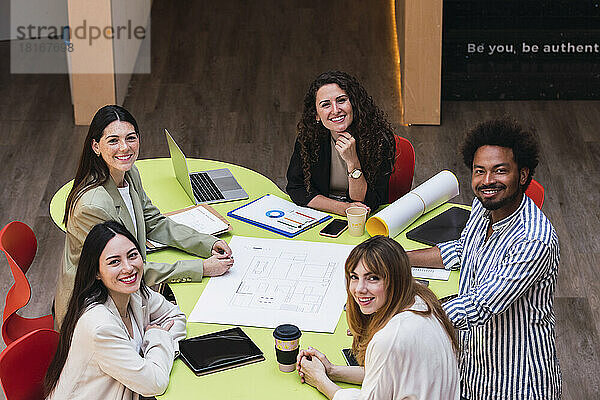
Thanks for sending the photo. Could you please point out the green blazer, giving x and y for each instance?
(105, 203)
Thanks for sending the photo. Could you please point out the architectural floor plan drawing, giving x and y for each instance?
(278, 281)
(287, 282)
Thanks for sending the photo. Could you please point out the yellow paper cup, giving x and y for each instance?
(357, 216)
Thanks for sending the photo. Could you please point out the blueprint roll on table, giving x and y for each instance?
(400, 214)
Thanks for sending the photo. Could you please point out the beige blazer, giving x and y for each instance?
(105, 203)
(102, 362)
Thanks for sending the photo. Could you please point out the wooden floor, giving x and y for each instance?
(228, 79)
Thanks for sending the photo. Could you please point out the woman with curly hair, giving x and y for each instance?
(344, 153)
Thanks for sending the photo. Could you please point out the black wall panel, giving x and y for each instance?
(489, 49)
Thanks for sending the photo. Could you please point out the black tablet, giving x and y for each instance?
(218, 351)
(442, 228)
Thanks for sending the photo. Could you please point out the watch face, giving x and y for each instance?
(356, 173)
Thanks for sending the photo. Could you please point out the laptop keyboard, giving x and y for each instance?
(204, 188)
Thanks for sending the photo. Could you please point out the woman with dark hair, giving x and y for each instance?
(118, 338)
(345, 149)
(107, 186)
(402, 338)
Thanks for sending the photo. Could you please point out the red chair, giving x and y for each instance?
(535, 192)
(23, 364)
(18, 242)
(404, 169)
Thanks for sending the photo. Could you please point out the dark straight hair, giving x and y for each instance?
(92, 170)
(87, 291)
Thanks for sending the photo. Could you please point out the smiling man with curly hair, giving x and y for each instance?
(508, 257)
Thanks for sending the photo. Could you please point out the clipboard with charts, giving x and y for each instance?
(278, 215)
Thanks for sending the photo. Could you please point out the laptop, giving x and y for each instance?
(204, 187)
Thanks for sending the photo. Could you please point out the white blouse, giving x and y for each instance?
(410, 358)
(102, 362)
(137, 339)
(124, 191)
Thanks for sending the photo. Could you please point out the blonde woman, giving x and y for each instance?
(403, 341)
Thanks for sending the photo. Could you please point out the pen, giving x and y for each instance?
(221, 252)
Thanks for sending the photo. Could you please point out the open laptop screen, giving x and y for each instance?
(180, 166)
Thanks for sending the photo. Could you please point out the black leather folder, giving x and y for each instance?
(442, 228)
(218, 351)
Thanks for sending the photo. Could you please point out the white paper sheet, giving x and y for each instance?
(400, 214)
(200, 219)
(431, 273)
(278, 281)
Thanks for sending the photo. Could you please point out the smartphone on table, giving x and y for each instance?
(334, 228)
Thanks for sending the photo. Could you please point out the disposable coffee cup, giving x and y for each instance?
(287, 341)
(357, 216)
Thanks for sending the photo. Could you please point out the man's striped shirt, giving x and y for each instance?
(504, 311)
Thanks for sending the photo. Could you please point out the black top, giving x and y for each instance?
(376, 195)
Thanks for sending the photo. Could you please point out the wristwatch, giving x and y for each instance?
(355, 174)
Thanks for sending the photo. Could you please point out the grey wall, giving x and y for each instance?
(35, 12)
(4, 19)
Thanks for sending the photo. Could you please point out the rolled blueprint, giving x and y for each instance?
(400, 214)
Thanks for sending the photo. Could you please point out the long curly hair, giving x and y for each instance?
(387, 259)
(372, 132)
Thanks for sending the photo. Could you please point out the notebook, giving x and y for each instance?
(219, 351)
(442, 228)
(201, 217)
(214, 186)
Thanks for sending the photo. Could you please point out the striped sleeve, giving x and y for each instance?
(451, 254)
(502, 285)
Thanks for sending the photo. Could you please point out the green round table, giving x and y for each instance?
(260, 380)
